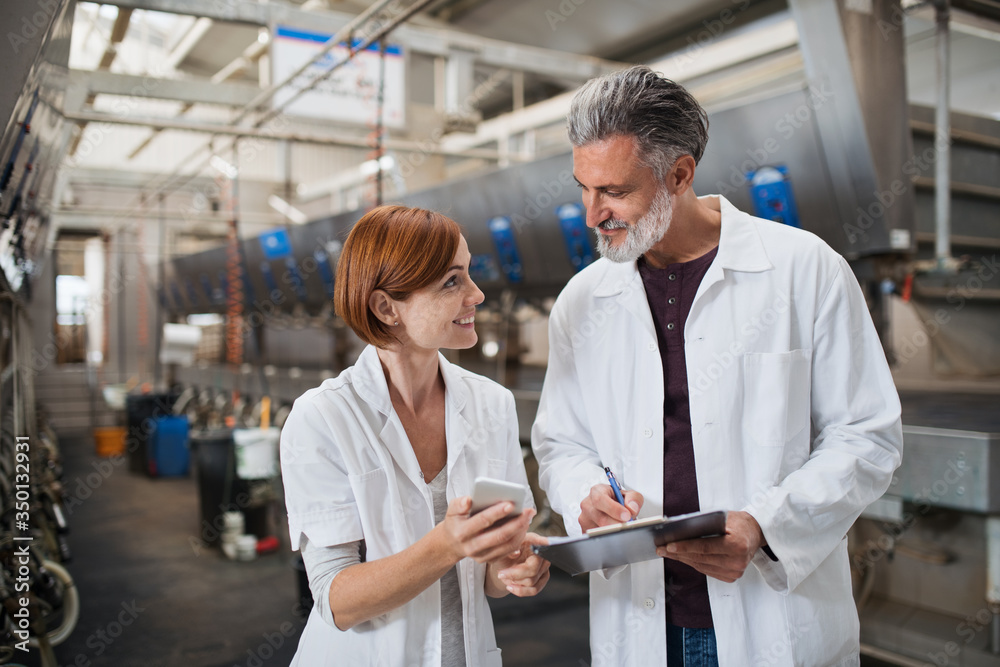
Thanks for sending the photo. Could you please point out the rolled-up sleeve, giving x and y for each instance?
(323, 564)
(318, 493)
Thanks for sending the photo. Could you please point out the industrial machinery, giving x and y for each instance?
(810, 136)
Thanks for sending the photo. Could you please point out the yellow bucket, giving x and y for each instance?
(110, 440)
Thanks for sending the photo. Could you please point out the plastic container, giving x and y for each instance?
(140, 410)
(220, 489)
(168, 454)
(256, 452)
(232, 523)
(109, 441)
(246, 547)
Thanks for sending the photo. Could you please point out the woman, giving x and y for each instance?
(371, 459)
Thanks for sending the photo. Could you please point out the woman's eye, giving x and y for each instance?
(451, 282)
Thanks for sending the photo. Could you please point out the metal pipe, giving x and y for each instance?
(890, 657)
(161, 282)
(995, 634)
(256, 133)
(993, 578)
(942, 138)
(345, 33)
(122, 377)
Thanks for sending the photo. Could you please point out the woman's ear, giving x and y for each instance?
(384, 308)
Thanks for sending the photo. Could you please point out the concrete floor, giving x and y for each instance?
(137, 559)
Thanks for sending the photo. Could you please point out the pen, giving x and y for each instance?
(614, 486)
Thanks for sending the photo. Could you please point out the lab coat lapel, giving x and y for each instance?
(371, 385)
(740, 247)
(458, 430)
(623, 284)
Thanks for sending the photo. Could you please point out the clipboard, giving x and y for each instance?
(624, 543)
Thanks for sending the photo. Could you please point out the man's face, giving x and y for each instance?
(627, 207)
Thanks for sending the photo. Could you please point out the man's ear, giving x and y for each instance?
(681, 175)
(384, 307)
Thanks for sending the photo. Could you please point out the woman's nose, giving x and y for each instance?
(476, 295)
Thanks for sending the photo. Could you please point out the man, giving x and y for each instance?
(712, 360)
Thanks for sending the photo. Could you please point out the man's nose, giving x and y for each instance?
(596, 212)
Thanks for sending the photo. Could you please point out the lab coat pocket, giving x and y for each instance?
(775, 395)
(493, 659)
(376, 506)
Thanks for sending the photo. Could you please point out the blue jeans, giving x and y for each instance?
(691, 647)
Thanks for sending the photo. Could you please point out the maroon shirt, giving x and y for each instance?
(670, 292)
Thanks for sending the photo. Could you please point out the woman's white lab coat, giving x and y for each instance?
(350, 473)
(794, 419)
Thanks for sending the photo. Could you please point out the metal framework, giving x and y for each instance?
(191, 91)
(421, 39)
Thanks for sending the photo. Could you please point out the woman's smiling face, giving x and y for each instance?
(442, 315)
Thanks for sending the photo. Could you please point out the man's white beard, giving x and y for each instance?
(641, 236)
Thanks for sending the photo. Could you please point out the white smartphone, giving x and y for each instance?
(487, 492)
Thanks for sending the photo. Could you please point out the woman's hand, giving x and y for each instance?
(523, 572)
(484, 537)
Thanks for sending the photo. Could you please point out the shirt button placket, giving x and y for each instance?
(672, 312)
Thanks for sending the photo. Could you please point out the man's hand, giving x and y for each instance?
(600, 508)
(725, 557)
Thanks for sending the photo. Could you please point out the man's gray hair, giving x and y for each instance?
(664, 118)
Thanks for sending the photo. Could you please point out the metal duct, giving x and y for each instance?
(854, 50)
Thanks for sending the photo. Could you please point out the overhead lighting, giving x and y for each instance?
(287, 210)
(371, 166)
(223, 167)
(348, 178)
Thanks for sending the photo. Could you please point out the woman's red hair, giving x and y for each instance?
(395, 249)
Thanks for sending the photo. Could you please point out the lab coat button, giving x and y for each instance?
(647, 432)
(648, 602)
(652, 347)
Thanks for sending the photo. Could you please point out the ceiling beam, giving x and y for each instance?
(263, 133)
(118, 31)
(194, 91)
(432, 41)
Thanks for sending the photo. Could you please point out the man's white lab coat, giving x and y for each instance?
(794, 419)
(350, 473)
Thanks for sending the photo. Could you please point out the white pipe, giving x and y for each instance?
(891, 656)
(993, 578)
(942, 139)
